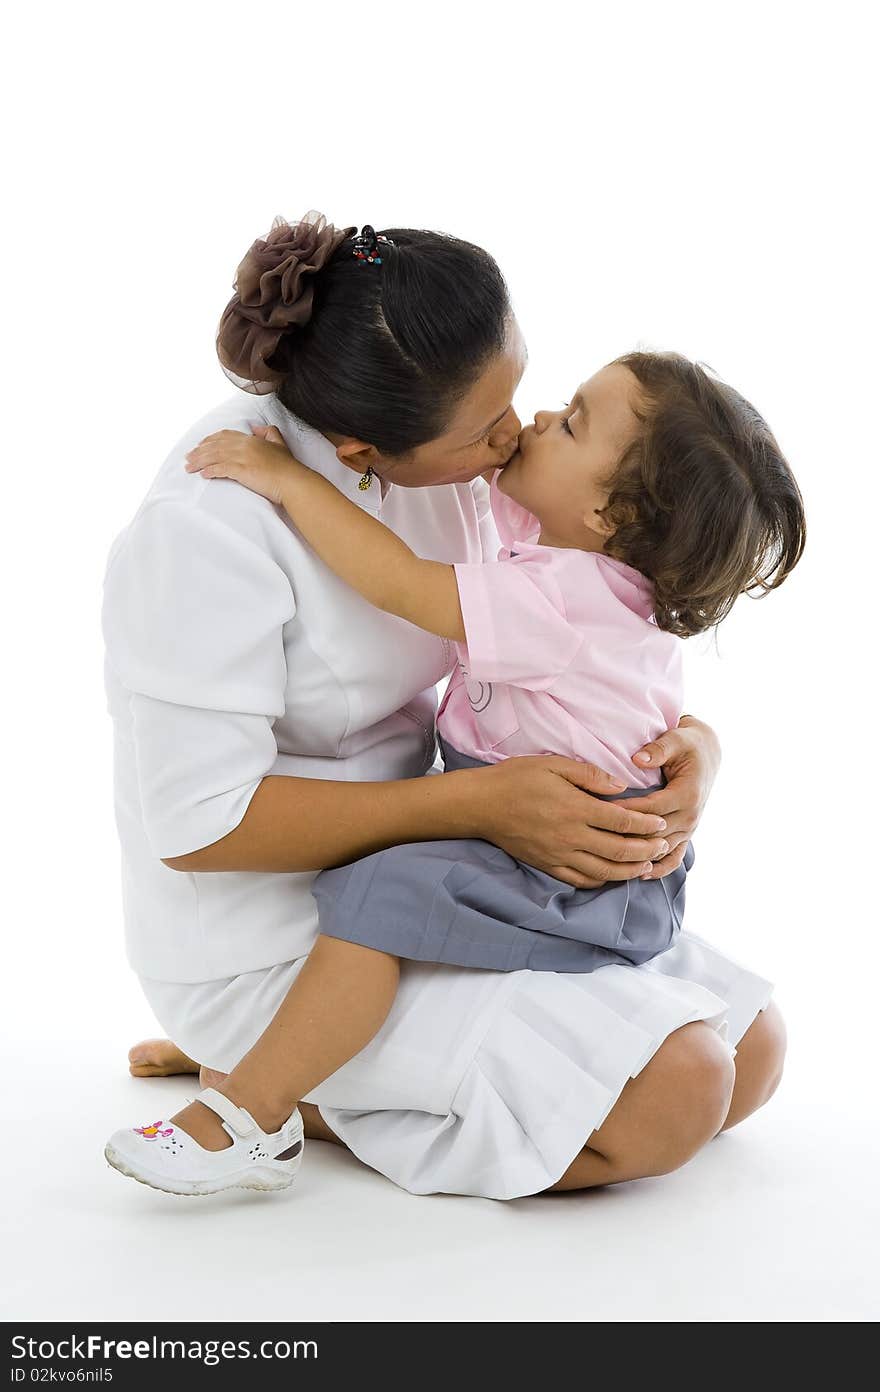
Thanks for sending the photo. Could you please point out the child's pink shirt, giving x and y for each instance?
(562, 656)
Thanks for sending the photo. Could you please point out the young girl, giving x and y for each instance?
(629, 520)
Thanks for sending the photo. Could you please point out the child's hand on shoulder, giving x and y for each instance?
(262, 461)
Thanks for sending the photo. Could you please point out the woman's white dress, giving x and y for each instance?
(233, 653)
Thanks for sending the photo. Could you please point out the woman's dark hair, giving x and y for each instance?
(391, 349)
(703, 502)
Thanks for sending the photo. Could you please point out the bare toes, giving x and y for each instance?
(159, 1058)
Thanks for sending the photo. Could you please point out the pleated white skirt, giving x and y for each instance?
(479, 1082)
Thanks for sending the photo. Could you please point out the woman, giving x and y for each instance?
(270, 723)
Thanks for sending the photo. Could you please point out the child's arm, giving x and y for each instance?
(358, 547)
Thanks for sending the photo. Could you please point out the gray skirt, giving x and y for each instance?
(470, 904)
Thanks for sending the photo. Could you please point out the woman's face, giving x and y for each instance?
(482, 434)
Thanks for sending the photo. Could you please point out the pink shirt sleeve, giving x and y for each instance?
(515, 625)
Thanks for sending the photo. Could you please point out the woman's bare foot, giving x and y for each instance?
(159, 1058)
(210, 1077)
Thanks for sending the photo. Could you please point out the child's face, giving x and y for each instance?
(563, 467)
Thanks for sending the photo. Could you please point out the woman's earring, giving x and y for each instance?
(366, 480)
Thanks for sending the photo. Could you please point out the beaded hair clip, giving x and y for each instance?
(368, 244)
(366, 249)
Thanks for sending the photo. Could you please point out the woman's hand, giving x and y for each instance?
(690, 758)
(262, 461)
(539, 810)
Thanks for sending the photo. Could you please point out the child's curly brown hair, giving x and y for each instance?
(703, 503)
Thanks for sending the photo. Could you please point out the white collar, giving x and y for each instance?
(315, 450)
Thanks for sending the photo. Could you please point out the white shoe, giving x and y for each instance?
(165, 1157)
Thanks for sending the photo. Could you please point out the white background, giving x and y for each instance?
(692, 176)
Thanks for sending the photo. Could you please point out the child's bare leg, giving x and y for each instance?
(314, 1125)
(340, 999)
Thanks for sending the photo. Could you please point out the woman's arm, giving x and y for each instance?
(538, 809)
(690, 757)
(300, 824)
(357, 546)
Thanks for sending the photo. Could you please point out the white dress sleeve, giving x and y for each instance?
(490, 542)
(193, 621)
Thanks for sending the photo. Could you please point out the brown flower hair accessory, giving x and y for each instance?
(275, 288)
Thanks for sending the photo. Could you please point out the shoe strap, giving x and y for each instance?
(241, 1123)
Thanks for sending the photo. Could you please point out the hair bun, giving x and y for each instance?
(274, 292)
